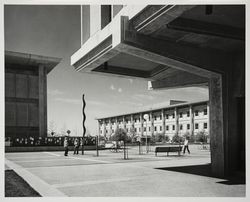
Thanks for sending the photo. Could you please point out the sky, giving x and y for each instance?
(55, 31)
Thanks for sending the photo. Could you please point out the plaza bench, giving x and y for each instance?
(168, 149)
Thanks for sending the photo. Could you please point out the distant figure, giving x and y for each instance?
(186, 145)
(81, 143)
(76, 146)
(66, 146)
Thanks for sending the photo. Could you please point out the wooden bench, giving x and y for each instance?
(168, 149)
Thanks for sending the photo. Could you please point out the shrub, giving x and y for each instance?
(201, 136)
(177, 138)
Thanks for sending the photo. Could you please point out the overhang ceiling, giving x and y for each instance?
(209, 29)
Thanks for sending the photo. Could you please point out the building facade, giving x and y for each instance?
(26, 93)
(173, 119)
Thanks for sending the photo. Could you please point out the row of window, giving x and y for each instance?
(196, 113)
(196, 126)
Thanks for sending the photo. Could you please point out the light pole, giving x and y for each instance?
(145, 116)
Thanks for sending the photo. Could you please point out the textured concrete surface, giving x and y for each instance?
(141, 175)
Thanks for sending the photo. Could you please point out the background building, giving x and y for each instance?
(174, 118)
(26, 93)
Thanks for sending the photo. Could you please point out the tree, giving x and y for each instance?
(201, 136)
(121, 135)
(177, 138)
(189, 136)
(52, 128)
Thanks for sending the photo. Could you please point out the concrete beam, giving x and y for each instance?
(202, 62)
(178, 80)
(199, 27)
(155, 16)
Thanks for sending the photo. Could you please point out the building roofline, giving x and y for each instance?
(156, 109)
(12, 57)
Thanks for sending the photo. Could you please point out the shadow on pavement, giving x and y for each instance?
(205, 170)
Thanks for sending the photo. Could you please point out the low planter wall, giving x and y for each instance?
(46, 148)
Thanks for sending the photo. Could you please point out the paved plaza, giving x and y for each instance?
(109, 175)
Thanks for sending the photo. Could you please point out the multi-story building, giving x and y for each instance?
(175, 117)
(26, 93)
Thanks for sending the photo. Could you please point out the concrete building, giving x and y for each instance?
(26, 93)
(169, 120)
(175, 46)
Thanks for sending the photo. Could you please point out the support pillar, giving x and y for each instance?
(110, 128)
(176, 121)
(191, 120)
(163, 122)
(152, 123)
(217, 130)
(142, 124)
(42, 101)
(104, 129)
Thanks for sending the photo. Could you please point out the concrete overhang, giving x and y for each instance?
(26, 59)
(154, 43)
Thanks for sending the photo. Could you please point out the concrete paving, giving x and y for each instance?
(109, 175)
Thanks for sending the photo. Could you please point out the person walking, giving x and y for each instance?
(66, 146)
(81, 143)
(76, 146)
(186, 145)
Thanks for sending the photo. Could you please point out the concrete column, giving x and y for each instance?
(85, 23)
(216, 122)
(99, 128)
(152, 123)
(42, 100)
(123, 122)
(116, 123)
(163, 122)
(95, 19)
(110, 128)
(176, 121)
(208, 124)
(142, 124)
(104, 128)
(191, 120)
(132, 122)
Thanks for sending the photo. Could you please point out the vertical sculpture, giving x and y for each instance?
(83, 122)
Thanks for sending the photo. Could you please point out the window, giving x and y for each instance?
(149, 118)
(173, 116)
(160, 117)
(196, 113)
(166, 116)
(105, 15)
(144, 129)
(181, 115)
(167, 128)
(173, 127)
(196, 126)
(188, 126)
(135, 129)
(139, 129)
(155, 118)
(160, 128)
(155, 128)
(205, 111)
(181, 127)
(205, 125)
(149, 129)
(188, 113)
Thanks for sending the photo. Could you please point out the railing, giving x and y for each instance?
(45, 141)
